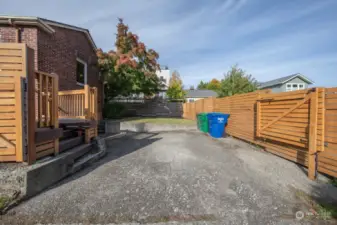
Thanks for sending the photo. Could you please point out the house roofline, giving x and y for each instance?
(299, 75)
(283, 82)
(44, 24)
(31, 21)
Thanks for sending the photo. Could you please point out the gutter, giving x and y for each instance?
(12, 22)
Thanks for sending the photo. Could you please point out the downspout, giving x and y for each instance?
(18, 36)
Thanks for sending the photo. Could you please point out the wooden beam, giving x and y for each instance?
(31, 123)
(40, 80)
(7, 158)
(18, 119)
(86, 101)
(55, 110)
(72, 92)
(323, 120)
(258, 117)
(313, 135)
(46, 134)
(17, 35)
(46, 116)
(87, 135)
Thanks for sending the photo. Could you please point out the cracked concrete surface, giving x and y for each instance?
(174, 178)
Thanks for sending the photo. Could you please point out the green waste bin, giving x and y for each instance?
(202, 122)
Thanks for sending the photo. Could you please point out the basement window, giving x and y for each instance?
(81, 72)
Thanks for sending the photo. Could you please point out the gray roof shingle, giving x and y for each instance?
(200, 93)
(283, 80)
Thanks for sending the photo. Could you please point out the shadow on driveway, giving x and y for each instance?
(116, 148)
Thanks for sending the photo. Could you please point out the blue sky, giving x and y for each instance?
(203, 38)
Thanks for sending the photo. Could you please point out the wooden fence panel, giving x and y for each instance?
(327, 160)
(291, 112)
(222, 105)
(185, 111)
(209, 105)
(12, 74)
(13, 59)
(199, 106)
(11, 118)
(293, 118)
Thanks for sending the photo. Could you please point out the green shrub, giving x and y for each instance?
(113, 110)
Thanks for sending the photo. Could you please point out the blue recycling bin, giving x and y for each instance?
(217, 123)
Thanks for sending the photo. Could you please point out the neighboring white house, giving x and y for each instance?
(164, 75)
(293, 82)
(194, 95)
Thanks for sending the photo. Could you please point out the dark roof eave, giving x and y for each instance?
(44, 24)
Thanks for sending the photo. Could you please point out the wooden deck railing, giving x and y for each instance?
(80, 104)
(46, 99)
(30, 107)
(71, 104)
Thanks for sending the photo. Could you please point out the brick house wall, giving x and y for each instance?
(28, 36)
(57, 53)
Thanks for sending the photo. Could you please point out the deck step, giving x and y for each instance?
(71, 143)
(80, 151)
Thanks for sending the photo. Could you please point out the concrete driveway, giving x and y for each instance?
(175, 178)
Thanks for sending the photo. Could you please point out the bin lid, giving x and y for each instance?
(217, 114)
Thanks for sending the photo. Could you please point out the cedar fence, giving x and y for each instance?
(300, 126)
(30, 103)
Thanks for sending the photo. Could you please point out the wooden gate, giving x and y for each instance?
(11, 118)
(293, 118)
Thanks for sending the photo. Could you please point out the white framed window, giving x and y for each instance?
(81, 72)
(294, 86)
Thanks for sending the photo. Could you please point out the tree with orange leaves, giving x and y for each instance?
(131, 67)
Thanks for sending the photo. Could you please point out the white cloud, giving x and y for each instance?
(202, 39)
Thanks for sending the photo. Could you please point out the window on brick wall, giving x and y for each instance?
(81, 72)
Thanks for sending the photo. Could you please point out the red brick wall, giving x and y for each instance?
(28, 36)
(57, 53)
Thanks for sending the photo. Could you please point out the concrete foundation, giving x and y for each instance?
(151, 127)
(22, 182)
(112, 127)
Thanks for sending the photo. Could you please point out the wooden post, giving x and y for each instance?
(19, 118)
(86, 101)
(40, 80)
(96, 132)
(323, 120)
(31, 123)
(258, 116)
(87, 135)
(313, 135)
(46, 94)
(96, 105)
(54, 106)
